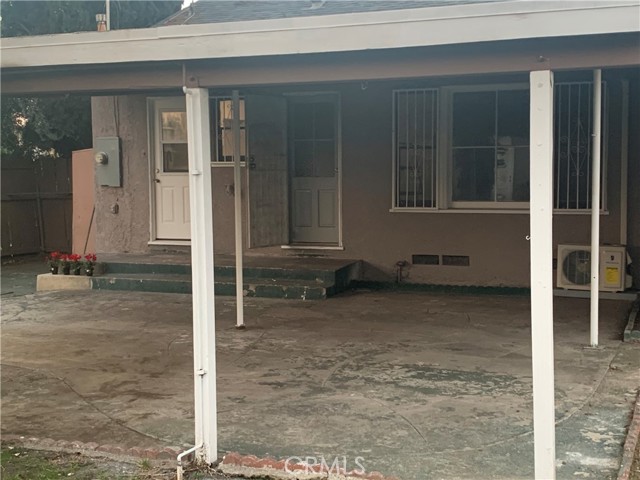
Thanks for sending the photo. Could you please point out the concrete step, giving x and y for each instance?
(229, 271)
(181, 283)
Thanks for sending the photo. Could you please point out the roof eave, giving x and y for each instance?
(511, 20)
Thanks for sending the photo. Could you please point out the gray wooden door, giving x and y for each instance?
(268, 193)
(313, 140)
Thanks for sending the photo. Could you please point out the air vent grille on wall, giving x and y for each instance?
(450, 260)
(425, 259)
(574, 268)
(456, 260)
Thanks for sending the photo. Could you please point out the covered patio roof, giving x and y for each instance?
(509, 36)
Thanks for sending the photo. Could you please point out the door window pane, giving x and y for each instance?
(303, 121)
(174, 127)
(324, 121)
(174, 157)
(303, 158)
(324, 159)
(312, 143)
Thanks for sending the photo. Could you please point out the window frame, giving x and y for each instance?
(604, 160)
(444, 158)
(435, 159)
(447, 151)
(215, 154)
(162, 105)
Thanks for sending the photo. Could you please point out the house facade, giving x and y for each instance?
(415, 155)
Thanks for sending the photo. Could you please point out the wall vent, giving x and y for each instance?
(423, 259)
(455, 260)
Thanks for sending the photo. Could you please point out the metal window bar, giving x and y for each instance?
(424, 150)
(578, 160)
(590, 117)
(573, 145)
(406, 122)
(415, 152)
(414, 167)
(219, 129)
(558, 103)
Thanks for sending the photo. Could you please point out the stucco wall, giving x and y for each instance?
(633, 237)
(496, 243)
(128, 229)
(223, 209)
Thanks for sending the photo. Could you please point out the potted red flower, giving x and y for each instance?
(90, 263)
(54, 262)
(65, 263)
(76, 264)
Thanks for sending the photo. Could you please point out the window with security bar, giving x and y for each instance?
(224, 144)
(415, 148)
(573, 129)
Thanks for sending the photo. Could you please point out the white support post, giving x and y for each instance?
(237, 197)
(541, 228)
(108, 14)
(595, 204)
(204, 317)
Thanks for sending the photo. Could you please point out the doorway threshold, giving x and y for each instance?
(302, 246)
(177, 243)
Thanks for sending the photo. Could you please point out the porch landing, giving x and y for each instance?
(306, 278)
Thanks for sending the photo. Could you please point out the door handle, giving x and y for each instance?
(252, 162)
(157, 180)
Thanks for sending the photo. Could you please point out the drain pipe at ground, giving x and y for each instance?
(179, 470)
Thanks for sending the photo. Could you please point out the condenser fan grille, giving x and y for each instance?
(576, 267)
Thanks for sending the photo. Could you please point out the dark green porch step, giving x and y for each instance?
(180, 283)
(341, 275)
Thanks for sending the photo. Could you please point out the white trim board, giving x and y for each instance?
(420, 27)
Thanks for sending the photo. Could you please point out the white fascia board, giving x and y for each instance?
(484, 22)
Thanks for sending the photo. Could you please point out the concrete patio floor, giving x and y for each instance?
(419, 385)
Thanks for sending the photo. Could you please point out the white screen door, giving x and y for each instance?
(268, 205)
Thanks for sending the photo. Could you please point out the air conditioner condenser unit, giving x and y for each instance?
(574, 268)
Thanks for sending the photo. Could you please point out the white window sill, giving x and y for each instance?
(226, 164)
(524, 211)
(312, 247)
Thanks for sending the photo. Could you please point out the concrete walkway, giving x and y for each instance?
(420, 386)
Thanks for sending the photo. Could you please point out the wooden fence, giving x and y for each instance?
(35, 206)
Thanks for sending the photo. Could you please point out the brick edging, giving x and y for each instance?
(630, 443)
(234, 463)
(165, 453)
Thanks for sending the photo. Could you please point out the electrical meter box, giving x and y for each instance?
(106, 152)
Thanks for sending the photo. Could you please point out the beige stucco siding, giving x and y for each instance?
(128, 229)
(633, 183)
(495, 242)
